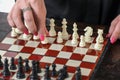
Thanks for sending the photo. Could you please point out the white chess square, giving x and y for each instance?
(51, 39)
(9, 41)
(40, 51)
(57, 47)
(23, 55)
(68, 43)
(32, 44)
(80, 50)
(63, 54)
(47, 59)
(92, 46)
(17, 48)
(73, 63)
(85, 71)
(21, 37)
(2, 52)
(90, 58)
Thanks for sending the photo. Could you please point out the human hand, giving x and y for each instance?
(34, 15)
(114, 31)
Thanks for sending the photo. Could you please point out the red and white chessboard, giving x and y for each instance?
(60, 54)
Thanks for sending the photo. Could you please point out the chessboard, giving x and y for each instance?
(76, 59)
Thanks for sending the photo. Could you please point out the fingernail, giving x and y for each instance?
(113, 40)
(36, 33)
(26, 31)
(108, 35)
(41, 37)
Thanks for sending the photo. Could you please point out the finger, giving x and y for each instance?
(10, 20)
(113, 25)
(116, 33)
(17, 18)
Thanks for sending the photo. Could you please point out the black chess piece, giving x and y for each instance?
(20, 72)
(54, 72)
(34, 75)
(78, 74)
(47, 73)
(13, 66)
(38, 67)
(27, 67)
(1, 63)
(6, 71)
(63, 73)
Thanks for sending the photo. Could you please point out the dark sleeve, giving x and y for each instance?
(119, 9)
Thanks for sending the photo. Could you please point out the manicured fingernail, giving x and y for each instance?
(113, 40)
(108, 35)
(41, 37)
(26, 31)
(36, 33)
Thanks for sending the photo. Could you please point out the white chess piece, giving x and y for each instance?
(75, 29)
(100, 35)
(52, 31)
(74, 39)
(97, 45)
(25, 36)
(35, 37)
(59, 38)
(18, 31)
(82, 41)
(88, 33)
(27, 26)
(64, 31)
(13, 33)
(45, 41)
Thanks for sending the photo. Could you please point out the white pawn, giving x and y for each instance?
(18, 31)
(52, 31)
(75, 29)
(64, 31)
(82, 41)
(13, 33)
(97, 45)
(74, 39)
(100, 35)
(59, 38)
(25, 36)
(45, 41)
(35, 37)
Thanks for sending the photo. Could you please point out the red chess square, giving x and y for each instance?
(60, 61)
(68, 48)
(27, 49)
(43, 65)
(20, 42)
(46, 46)
(71, 69)
(77, 56)
(52, 53)
(4, 46)
(35, 57)
(88, 65)
(93, 52)
(10, 54)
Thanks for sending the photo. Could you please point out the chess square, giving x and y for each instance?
(63, 54)
(85, 71)
(57, 47)
(27, 50)
(17, 48)
(68, 43)
(51, 39)
(2, 52)
(80, 50)
(73, 63)
(10, 54)
(90, 58)
(40, 51)
(92, 46)
(9, 40)
(23, 55)
(35, 57)
(32, 44)
(47, 59)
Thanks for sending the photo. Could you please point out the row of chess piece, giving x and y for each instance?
(61, 74)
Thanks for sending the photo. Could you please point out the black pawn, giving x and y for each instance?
(1, 63)
(13, 66)
(47, 73)
(6, 71)
(54, 72)
(38, 67)
(65, 71)
(78, 74)
(27, 67)
(20, 72)
(34, 75)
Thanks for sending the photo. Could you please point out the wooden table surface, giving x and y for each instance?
(109, 68)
